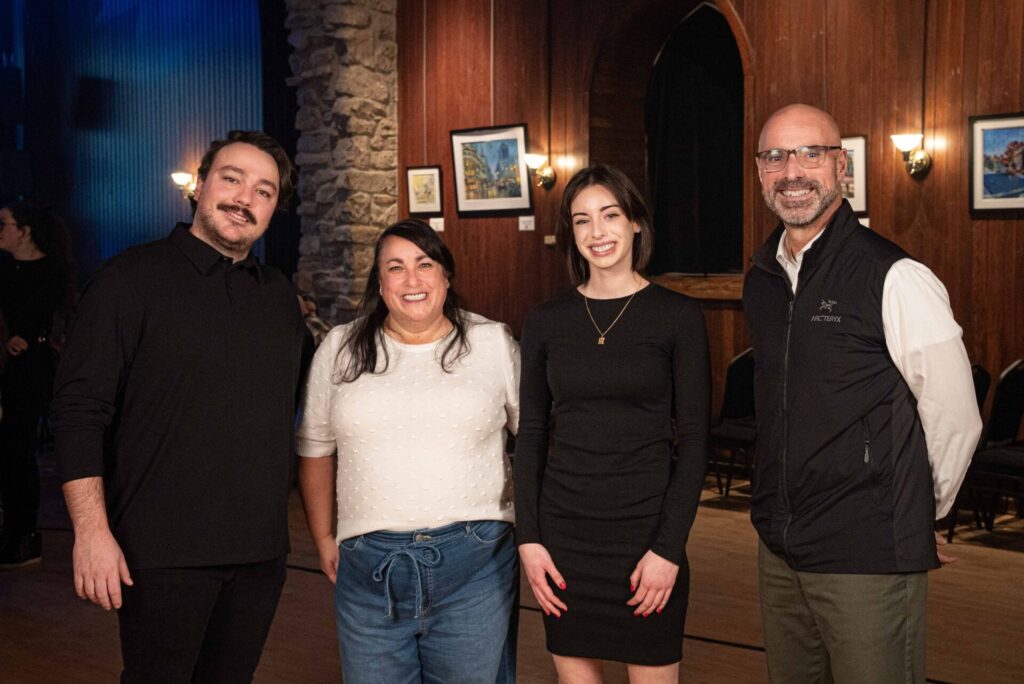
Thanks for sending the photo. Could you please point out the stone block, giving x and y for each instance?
(359, 126)
(367, 181)
(346, 15)
(387, 127)
(312, 158)
(386, 56)
(309, 119)
(364, 235)
(325, 193)
(380, 142)
(359, 107)
(314, 142)
(387, 160)
(309, 244)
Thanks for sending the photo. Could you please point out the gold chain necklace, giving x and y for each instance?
(601, 333)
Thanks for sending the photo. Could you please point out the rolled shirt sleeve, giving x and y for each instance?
(925, 344)
(93, 366)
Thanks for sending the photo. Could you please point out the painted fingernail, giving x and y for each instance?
(632, 587)
(561, 585)
(659, 611)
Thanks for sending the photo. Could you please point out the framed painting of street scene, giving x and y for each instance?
(490, 170)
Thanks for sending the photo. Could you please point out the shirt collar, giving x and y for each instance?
(205, 258)
(782, 252)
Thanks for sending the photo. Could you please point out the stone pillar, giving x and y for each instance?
(344, 68)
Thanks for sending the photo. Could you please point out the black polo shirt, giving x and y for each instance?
(177, 386)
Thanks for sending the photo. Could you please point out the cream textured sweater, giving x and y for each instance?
(417, 447)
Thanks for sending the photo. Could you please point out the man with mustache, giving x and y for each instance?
(173, 417)
(866, 422)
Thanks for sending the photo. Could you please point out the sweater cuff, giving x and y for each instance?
(311, 448)
(79, 454)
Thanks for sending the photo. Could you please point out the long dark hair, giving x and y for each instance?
(367, 334)
(626, 196)
(48, 232)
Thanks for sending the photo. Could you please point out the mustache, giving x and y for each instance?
(242, 210)
(796, 184)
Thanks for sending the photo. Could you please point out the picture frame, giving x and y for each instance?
(996, 144)
(855, 182)
(425, 192)
(491, 176)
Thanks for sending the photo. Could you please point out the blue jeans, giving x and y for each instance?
(434, 606)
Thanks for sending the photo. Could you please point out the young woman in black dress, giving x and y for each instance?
(34, 285)
(606, 492)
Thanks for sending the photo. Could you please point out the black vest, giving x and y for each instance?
(843, 480)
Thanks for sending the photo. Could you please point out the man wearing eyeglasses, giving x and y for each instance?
(866, 422)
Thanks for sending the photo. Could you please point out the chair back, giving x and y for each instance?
(1007, 406)
(738, 397)
(982, 381)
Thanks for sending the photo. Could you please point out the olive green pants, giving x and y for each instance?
(846, 629)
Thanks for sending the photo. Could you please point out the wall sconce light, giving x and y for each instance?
(543, 173)
(186, 182)
(915, 158)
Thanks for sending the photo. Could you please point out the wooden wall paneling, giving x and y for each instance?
(412, 132)
(871, 63)
(999, 241)
(949, 99)
(790, 42)
(458, 73)
(520, 96)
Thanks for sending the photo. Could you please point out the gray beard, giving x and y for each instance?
(799, 218)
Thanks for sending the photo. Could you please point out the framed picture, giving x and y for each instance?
(997, 163)
(424, 186)
(855, 182)
(490, 170)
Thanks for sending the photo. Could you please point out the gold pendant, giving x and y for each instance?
(600, 340)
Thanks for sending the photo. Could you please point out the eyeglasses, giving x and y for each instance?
(808, 156)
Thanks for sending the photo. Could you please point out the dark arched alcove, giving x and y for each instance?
(694, 124)
(633, 42)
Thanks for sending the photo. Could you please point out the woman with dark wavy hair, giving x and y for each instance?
(34, 285)
(605, 498)
(406, 414)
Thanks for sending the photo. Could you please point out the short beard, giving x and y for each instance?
(207, 224)
(797, 218)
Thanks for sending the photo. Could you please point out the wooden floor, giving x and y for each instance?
(975, 611)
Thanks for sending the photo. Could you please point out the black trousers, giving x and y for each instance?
(26, 386)
(199, 625)
(19, 474)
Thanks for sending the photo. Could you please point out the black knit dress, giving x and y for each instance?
(612, 485)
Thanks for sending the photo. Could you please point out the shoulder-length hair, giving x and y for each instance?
(366, 338)
(626, 196)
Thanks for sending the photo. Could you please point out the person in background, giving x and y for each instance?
(35, 284)
(866, 422)
(621, 365)
(173, 417)
(406, 415)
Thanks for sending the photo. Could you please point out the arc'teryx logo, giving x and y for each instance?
(826, 306)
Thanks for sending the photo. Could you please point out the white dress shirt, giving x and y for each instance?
(924, 342)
